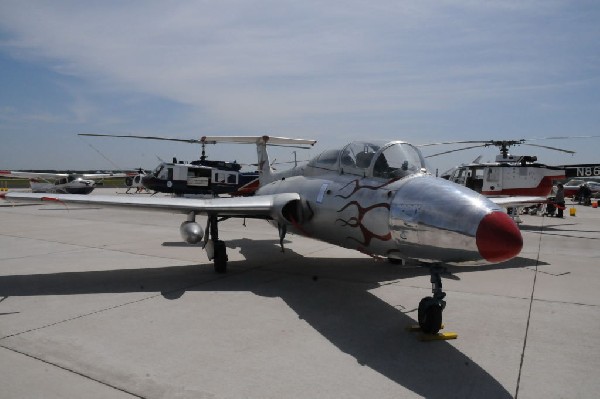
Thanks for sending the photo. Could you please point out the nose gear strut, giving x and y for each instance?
(431, 307)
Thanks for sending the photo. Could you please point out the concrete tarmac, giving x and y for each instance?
(109, 303)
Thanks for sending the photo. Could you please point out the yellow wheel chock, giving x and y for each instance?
(440, 336)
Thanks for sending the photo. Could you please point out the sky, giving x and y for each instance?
(336, 71)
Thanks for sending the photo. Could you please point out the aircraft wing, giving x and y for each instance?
(34, 175)
(31, 175)
(93, 176)
(508, 202)
(259, 206)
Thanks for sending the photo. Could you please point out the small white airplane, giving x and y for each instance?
(60, 183)
(372, 196)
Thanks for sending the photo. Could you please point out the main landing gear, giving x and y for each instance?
(215, 248)
(431, 307)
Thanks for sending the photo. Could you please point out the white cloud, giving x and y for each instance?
(348, 65)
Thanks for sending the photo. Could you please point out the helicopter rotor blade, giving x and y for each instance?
(459, 149)
(505, 144)
(456, 142)
(563, 137)
(130, 136)
(550, 148)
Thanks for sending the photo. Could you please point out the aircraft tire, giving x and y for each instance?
(430, 315)
(221, 258)
(422, 305)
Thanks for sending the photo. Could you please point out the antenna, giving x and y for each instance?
(102, 155)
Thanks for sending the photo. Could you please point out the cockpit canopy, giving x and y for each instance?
(73, 177)
(387, 160)
(68, 179)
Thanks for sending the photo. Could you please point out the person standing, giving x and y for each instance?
(560, 200)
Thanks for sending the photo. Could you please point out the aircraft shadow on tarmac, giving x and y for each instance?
(331, 294)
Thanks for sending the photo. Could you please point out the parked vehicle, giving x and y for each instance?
(573, 185)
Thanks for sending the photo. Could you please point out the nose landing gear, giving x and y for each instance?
(431, 308)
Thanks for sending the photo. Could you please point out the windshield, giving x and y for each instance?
(157, 170)
(357, 157)
(397, 161)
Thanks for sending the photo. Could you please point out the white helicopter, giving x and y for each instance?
(61, 183)
(134, 181)
(509, 175)
(372, 196)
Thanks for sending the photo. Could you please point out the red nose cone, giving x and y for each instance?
(498, 237)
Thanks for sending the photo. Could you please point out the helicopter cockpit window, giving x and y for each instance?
(157, 171)
(357, 157)
(327, 160)
(397, 161)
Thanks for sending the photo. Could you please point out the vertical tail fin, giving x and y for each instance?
(265, 173)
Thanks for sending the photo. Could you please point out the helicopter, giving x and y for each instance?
(134, 181)
(200, 177)
(509, 175)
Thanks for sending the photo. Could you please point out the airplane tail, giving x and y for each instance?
(264, 167)
(265, 172)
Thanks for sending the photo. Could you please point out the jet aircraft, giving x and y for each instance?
(372, 196)
(61, 183)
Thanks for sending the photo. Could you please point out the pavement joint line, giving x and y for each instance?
(531, 299)
(69, 370)
(79, 316)
(42, 254)
(591, 305)
(81, 246)
(160, 294)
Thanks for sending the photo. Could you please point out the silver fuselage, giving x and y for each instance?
(418, 216)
